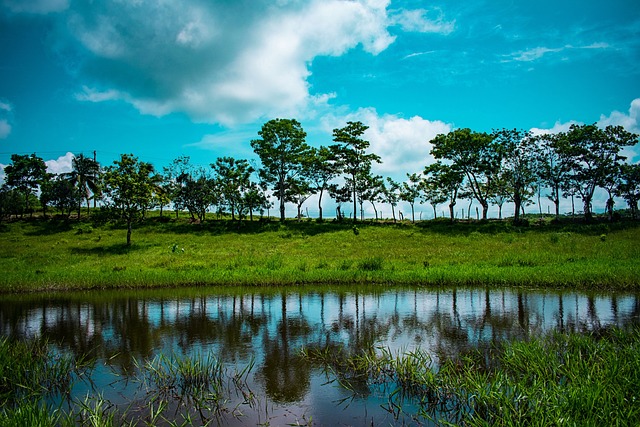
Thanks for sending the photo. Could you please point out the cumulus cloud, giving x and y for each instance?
(225, 62)
(403, 144)
(630, 120)
(556, 128)
(35, 6)
(60, 165)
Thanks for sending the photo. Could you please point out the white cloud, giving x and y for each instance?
(60, 165)
(5, 128)
(36, 6)
(630, 121)
(556, 128)
(534, 54)
(403, 144)
(418, 21)
(225, 62)
(5, 119)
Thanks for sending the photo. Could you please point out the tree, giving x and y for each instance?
(321, 170)
(553, 168)
(390, 191)
(629, 186)
(476, 155)
(340, 195)
(355, 161)
(298, 191)
(129, 187)
(593, 155)
(443, 182)
(255, 199)
(282, 151)
(197, 193)
(372, 192)
(502, 192)
(517, 149)
(11, 201)
(233, 180)
(410, 191)
(172, 182)
(85, 175)
(25, 174)
(61, 194)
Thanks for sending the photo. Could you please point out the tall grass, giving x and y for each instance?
(36, 390)
(33, 377)
(559, 379)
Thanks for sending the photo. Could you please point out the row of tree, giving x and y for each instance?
(491, 168)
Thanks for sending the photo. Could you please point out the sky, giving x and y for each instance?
(167, 78)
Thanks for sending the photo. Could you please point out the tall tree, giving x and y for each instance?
(60, 193)
(517, 148)
(410, 192)
(233, 179)
(373, 191)
(85, 175)
(553, 168)
(129, 187)
(25, 174)
(391, 195)
(173, 180)
(476, 155)
(594, 155)
(629, 186)
(445, 181)
(322, 169)
(352, 154)
(298, 191)
(283, 151)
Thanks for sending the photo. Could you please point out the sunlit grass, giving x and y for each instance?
(56, 255)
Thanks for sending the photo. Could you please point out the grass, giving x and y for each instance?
(64, 255)
(36, 389)
(587, 379)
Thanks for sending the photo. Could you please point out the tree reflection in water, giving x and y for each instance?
(122, 329)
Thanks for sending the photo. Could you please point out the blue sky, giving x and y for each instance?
(165, 78)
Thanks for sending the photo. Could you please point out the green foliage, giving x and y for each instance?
(283, 152)
(25, 174)
(129, 187)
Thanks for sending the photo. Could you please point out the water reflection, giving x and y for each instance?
(270, 327)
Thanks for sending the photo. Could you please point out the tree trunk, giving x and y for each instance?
(320, 206)
(517, 201)
(129, 231)
(485, 209)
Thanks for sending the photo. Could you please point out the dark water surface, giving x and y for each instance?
(266, 329)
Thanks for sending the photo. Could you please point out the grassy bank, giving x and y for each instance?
(61, 255)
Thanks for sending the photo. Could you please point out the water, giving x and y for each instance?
(267, 328)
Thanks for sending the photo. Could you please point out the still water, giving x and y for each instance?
(264, 331)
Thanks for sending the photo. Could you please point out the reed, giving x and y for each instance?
(559, 379)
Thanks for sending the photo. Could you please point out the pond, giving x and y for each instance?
(256, 336)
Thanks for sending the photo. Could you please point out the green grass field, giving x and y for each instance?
(37, 255)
